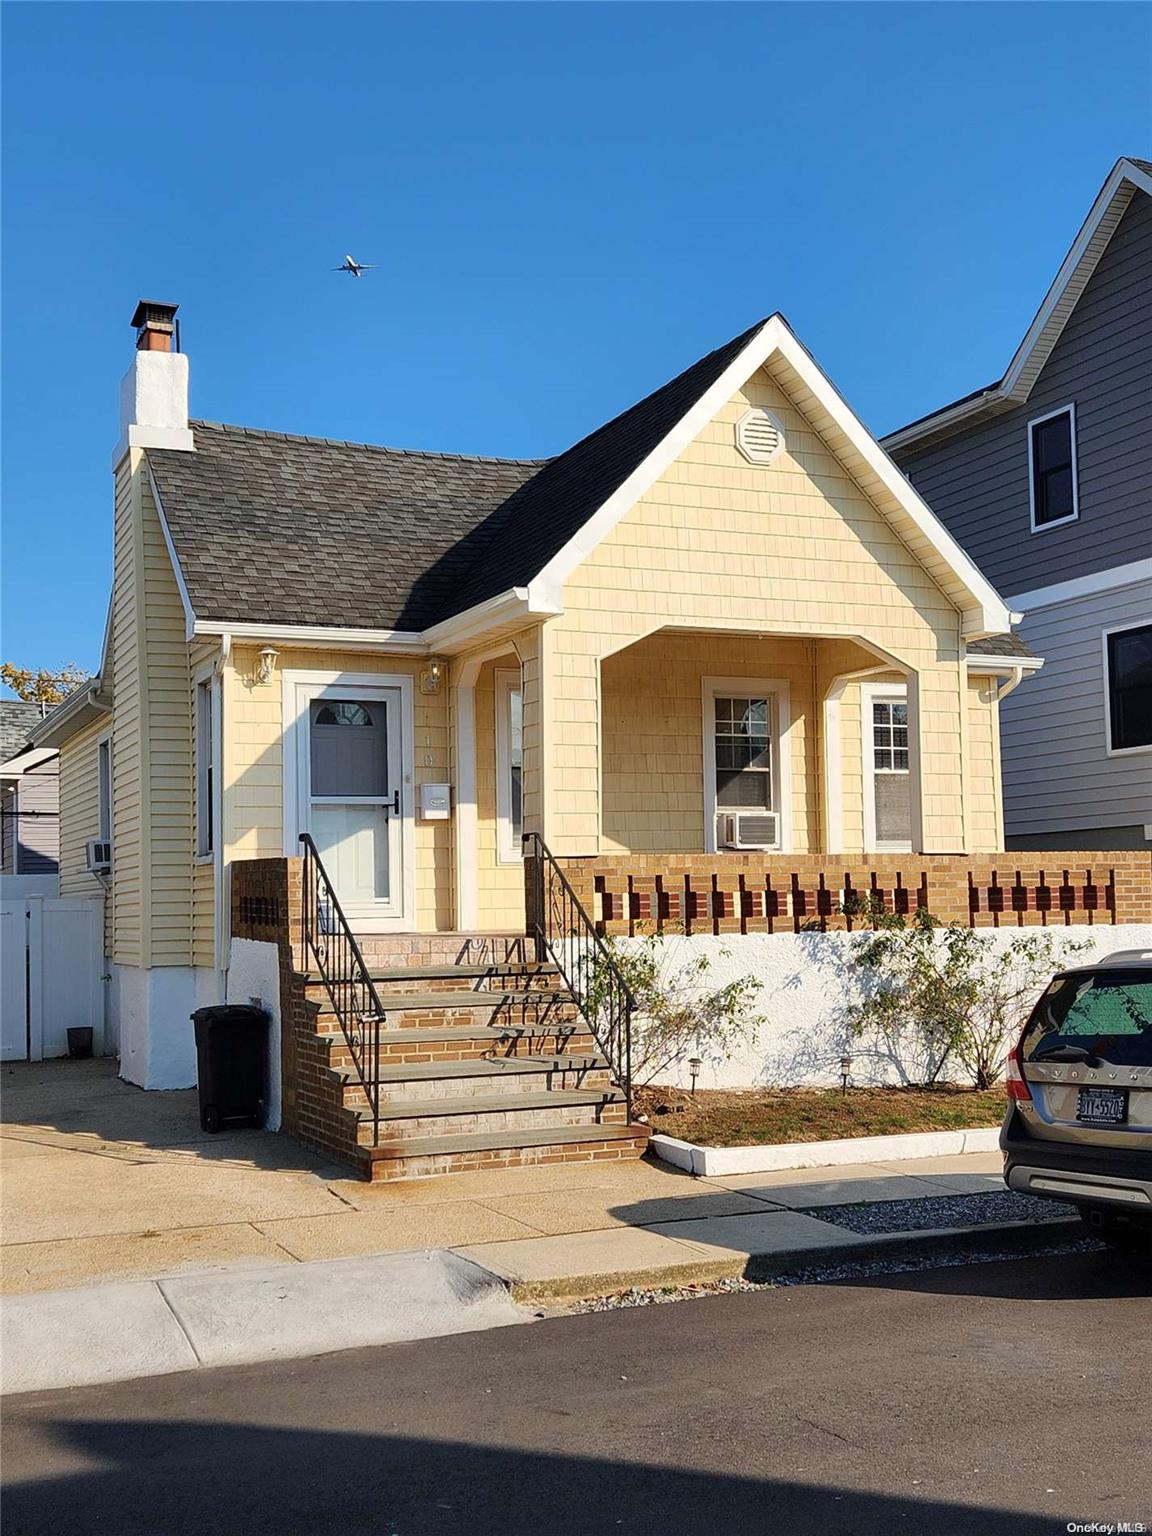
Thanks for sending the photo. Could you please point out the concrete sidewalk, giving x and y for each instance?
(101, 1182)
(133, 1244)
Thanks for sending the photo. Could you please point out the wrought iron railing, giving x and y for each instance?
(566, 936)
(342, 969)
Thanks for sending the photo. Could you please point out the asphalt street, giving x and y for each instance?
(991, 1398)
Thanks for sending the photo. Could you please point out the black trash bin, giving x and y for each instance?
(231, 1065)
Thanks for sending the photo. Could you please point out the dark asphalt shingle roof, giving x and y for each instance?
(17, 722)
(273, 528)
(999, 645)
(302, 530)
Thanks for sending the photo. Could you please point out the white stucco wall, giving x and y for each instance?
(254, 977)
(153, 1011)
(803, 987)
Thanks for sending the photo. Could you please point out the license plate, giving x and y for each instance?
(1102, 1106)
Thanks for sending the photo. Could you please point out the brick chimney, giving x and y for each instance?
(154, 391)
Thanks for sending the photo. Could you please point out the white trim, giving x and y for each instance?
(1069, 283)
(996, 666)
(1110, 750)
(1084, 586)
(515, 607)
(777, 690)
(508, 846)
(295, 741)
(320, 635)
(983, 609)
(73, 714)
(882, 693)
(1068, 410)
(181, 585)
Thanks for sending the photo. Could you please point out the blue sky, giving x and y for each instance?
(569, 203)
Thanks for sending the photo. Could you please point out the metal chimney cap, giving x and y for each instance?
(150, 312)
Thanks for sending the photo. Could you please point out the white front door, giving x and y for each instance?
(354, 794)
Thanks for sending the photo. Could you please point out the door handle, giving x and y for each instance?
(396, 802)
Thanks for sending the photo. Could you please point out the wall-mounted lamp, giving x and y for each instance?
(432, 675)
(266, 665)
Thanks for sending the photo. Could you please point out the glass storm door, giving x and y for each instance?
(354, 799)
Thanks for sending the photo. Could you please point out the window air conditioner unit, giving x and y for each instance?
(98, 855)
(749, 829)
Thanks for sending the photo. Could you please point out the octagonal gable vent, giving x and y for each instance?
(759, 436)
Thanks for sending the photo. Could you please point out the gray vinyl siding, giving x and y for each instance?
(7, 832)
(1058, 776)
(38, 823)
(977, 480)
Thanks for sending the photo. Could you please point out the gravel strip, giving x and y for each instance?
(823, 1274)
(939, 1211)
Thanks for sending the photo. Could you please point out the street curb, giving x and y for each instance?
(709, 1162)
(242, 1315)
(1017, 1236)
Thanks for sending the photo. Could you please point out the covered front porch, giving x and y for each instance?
(730, 745)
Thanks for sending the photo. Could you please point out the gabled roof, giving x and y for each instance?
(271, 529)
(303, 530)
(1127, 177)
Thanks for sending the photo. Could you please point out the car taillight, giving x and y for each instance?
(1014, 1079)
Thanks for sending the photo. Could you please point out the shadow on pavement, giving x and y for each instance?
(182, 1479)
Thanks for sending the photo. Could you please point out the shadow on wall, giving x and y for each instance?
(139, 1477)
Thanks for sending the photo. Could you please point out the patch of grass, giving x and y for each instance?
(718, 1117)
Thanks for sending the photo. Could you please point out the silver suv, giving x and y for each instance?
(1079, 1120)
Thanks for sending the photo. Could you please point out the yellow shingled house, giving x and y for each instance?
(721, 628)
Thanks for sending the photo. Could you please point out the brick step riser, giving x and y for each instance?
(509, 982)
(514, 1018)
(387, 1171)
(417, 1053)
(500, 1085)
(495, 1120)
(394, 950)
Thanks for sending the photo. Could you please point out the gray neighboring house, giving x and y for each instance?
(29, 795)
(1045, 478)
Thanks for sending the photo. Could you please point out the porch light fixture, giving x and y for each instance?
(266, 665)
(694, 1065)
(432, 675)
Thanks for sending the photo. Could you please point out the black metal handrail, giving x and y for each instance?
(566, 935)
(343, 971)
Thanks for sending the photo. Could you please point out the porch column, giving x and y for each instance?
(561, 684)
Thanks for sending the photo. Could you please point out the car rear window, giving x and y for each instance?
(1107, 1012)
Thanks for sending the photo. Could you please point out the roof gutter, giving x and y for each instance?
(79, 709)
(519, 605)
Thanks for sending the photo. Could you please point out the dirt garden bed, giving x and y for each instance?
(751, 1117)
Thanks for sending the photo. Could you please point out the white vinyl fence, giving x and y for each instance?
(51, 970)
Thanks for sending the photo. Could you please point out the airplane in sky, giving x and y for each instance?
(356, 268)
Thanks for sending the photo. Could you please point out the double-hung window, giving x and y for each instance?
(1128, 668)
(887, 769)
(104, 788)
(1052, 468)
(509, 765)
(744, 722)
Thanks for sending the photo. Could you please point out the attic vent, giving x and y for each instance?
(759, 436)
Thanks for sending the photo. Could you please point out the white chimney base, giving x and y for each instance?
(154, 404)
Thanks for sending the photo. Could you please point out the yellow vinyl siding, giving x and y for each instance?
(985, 814)
(127, 755)
(794, 549)
(80, 817)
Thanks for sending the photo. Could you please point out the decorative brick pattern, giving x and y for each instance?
(756, 893)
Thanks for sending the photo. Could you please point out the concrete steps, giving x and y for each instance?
(484, 1061)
